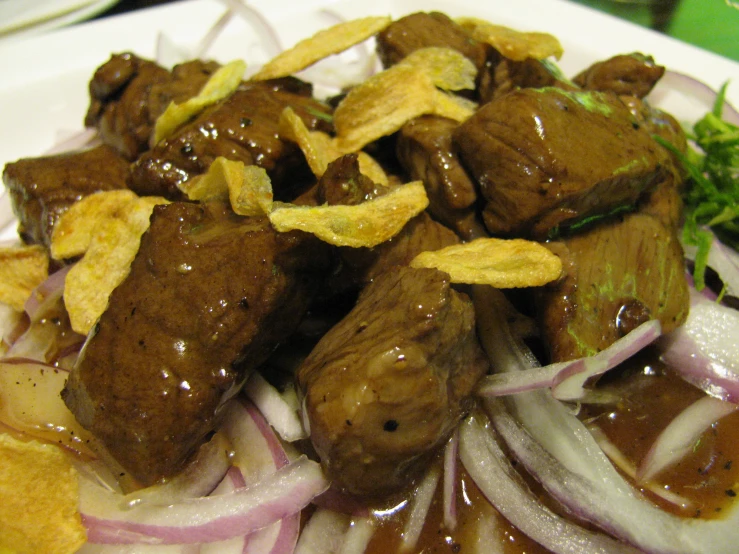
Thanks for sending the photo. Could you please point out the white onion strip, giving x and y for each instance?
(267, 34)
(451, 455)
(679, 437)
(207, 519)
(704, 350)
(358, 536)
(324, 533)
(566, 379)
(419, 508)
(276, 410)
(723, 259)
(492, 472)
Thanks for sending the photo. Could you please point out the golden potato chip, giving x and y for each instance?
(252, 194)
(112, 248)
(320, 150)
(449, 69)
(500, 263)
(22, 269)
(333, 40)
(367, 224)
(385, 102)
(72, 233)
(514, 45)
(219, 86)
(40, 492)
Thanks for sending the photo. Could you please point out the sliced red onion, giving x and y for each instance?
(213, 33)
(207, 519)
(12, 326)
(697, 90)
(199, 478)
(419, 507)
(46, 295)
(557, 449)
(678, 439)
(704, 350)
(566, 379)
(168, 54)
(489, 539)
(324, 533)
(504, 488)
(267, 34)
(70, 141)
(276, 410)
(629, 469)
(451, 455)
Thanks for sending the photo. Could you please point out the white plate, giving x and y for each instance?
(31, 17)
(43, 91)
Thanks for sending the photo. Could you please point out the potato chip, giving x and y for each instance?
(219, 86)
(40, 495)
(500, 263)
(252, 194)
(22, 269)
(514, 45)
(385, 102)
(72, 233)
(333, 40)
(320, 150)
(367, 224)
(449, 69)
(113, 245)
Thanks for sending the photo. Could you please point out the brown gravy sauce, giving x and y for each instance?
(651, 396)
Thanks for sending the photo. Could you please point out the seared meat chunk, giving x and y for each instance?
(545, 158)
(422, 30)
(208, 298)
(42, 189)
(388, 384)
(425, 151)
(627, 74)
(343, 184)
(619, 274)
(128, 94)
(243, 127)
(501, 75)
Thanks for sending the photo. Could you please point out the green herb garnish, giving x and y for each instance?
(712, 194)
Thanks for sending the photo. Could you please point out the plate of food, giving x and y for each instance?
(324, 277)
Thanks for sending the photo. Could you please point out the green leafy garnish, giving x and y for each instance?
(712, 194)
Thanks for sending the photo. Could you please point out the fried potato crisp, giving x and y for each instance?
(22, 269)
(248, 188)
(367, 224)
(333, 40)
(501, 263)
(320, 150)
(112, 245)
(220, 85)
(514, 45)
(449, 69)
(40, 495)
(73, 232)
(385, 102)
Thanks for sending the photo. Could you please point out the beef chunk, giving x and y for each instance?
(627, 74)
(388, 384)
(638, 274)
(208, 298)
(426, 152)
(545, 158)
(422, 30)
(243, 128)
(128, 94)
(42, 189)
(343, 184)
(501, 75)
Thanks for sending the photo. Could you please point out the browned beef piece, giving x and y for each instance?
(208, 298)
(342, 183)
(42, 189)
(501, 75)
(422, 30)
(627, 74)
(545, 158)
(128, 94)
(244, 127)
(618, 275)
(388, 384)
(426, 152)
